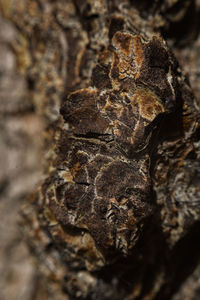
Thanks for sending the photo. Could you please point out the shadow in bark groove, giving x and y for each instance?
(181, 262)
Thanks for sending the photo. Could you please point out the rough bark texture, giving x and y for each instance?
(110, 120)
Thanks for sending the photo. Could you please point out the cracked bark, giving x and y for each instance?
(118, 215)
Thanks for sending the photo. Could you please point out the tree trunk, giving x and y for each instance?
(118, 213)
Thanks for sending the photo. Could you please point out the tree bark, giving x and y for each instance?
(118, 213)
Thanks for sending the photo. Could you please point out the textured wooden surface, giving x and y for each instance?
(117, 216)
